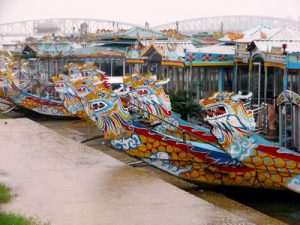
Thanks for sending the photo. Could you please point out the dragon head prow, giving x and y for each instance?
(229, 119)
(147, 93)
(107, 111)
(9, 83)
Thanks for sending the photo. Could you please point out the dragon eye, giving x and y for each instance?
(143, 92)
(60, 85)
(101, 94)
(81, 89)
(98, 105)
(95, 106)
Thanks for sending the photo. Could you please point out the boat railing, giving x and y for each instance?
(25, 84)
(257, 110)
(247, 105)
(163, 121)
(260, 113)
(261, 117)
(42, 89)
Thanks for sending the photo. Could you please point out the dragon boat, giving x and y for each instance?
(15, 83)
(143, 94)
(234, 127)
(146, 128)
(191, 160)
(16, 92)
(11, 91)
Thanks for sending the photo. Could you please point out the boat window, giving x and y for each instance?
(289, 116)
(208, 82)
(242, 77)
(228, 79)
(106, 66)
(180, 78)
(118, 68)
(294, 82)
(257, 84)
(171, 74)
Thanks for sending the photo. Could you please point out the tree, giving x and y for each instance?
(183, 103)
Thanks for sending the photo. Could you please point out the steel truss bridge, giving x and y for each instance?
(225, 24)
(68, 26)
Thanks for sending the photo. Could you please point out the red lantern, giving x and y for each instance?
(284, 46)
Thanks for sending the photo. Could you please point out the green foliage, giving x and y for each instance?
(13, 219)
(4, 116)
(10, 218)
(5, 193)
(183, 103)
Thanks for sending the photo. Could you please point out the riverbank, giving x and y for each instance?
(64, 182)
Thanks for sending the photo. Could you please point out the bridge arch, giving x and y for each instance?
(64, 26)
(225, 24)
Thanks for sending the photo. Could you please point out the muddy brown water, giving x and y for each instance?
(282, 206)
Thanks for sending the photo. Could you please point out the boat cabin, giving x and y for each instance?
(211, 69)
(274, 72)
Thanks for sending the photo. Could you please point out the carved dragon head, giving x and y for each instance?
(9, 84)
(62, 84)
(92, 72)
(67, 94)
(8, 61)
(111, 117)
(74, 71)
(80, 82)
(228, 117)
(148, 94)
(87, 85)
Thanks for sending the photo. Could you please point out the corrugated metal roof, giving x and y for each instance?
(267, 45)
(71, 49)
(218, 49)
(111, 51)
(263, 32)
(249, 35)
(258, 33)
(165, 47)
(53, 48)
(286, 33)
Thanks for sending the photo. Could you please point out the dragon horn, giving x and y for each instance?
(162, 82)
(153, 77)
(239, 96)
(120, 92)
(99, 82)
(247, 96)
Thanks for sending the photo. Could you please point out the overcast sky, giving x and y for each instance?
(138, 11)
